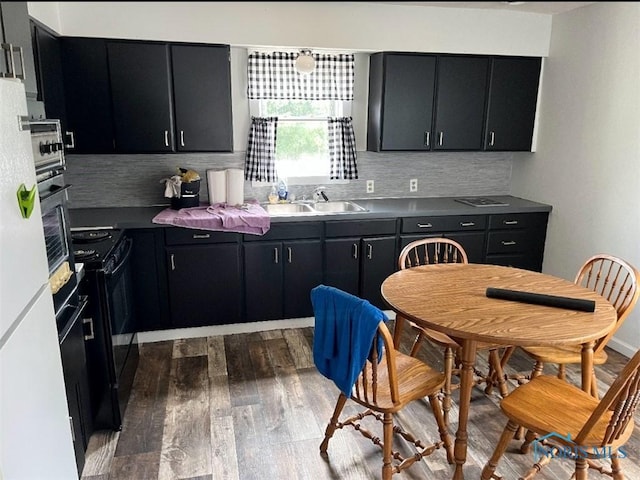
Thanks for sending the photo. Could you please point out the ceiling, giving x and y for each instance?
(549, 8)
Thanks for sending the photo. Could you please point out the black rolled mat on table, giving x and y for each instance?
(541, 299)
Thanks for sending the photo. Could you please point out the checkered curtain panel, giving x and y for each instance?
(274, 76)
(342, 149)
(260, 162)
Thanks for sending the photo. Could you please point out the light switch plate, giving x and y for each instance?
(370, 186)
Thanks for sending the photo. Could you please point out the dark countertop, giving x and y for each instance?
(140, 217)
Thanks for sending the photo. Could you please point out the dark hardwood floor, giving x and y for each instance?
(253, 407)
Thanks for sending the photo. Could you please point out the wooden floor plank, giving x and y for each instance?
(186, 447)
(100, 452)
(190, 347)
(224, 458)
(242, 382)
(143, 423)
(135, 467)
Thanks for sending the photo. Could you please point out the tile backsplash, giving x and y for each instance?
(138, 180)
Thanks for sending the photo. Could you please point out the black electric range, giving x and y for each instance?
(113, 349)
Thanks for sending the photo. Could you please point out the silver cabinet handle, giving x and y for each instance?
(492, 138)
(173, 262)
(166, 138)
(424, 225)
(89, 321)
(201, 235)
(73, 140)
(369, 251)
(467, 224)
(73, 430)
(275, 255)
(440, 138)
(289, 254)
(10, 49)
(182, 138)
(355, 250)
(509, 243)
(427, 138)
(510, 222)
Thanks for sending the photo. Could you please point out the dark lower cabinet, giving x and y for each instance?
(472, 242)
(517, 240)
(76, 379)
(359, 256)
(150, 290)
(279, 277)
(204, 284)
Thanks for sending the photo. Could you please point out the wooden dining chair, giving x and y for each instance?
(570, 423)
(617, 281)
(386, 380)
(436, 250)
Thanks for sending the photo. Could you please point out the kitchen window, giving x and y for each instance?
(310, 137)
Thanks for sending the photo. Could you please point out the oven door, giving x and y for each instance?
(57, 234)
(124, 338)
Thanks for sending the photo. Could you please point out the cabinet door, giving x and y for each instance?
(263, 280)
(461, 93)
(511, 107)
(149, 281)
(342, 260)
(407, 106)
(88, 98)
(302, 272)
(378, 262)
(141, 95)
(48, 61)
(204, 285)
(15, 23)
(202, 95)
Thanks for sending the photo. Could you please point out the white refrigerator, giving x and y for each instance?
(35, 433)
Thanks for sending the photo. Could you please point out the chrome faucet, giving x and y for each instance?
(318, 193)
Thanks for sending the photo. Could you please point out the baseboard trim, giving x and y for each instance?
(622, 347)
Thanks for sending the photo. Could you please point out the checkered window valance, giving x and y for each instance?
(274, 76)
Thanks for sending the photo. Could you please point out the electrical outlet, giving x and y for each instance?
(413, 185)
(369, 186)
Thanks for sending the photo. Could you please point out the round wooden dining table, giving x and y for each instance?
(451, 298)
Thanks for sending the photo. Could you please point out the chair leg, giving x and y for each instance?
(448, 373)
(582, 469)
(497, 374)
(616, 470)
(387, 468)
(594, 385)
(507, 435)
(442, 428)
(561, 372)
(416, 344)
(528, 440)
(537, 369)
(333, 424)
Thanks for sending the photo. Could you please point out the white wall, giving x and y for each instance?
(355, 26)
(587, 164)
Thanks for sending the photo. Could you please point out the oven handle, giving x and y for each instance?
(54, 191)
(124, 260)
(79, 310)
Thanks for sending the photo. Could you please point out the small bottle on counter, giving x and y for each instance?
(273, 195)
(282, 191)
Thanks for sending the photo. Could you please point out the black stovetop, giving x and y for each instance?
(92, 247)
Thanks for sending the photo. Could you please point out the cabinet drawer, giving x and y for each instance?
(184, 236)
(517, 220)
(360, 229)
(289, 231)
(516, 241)
(444, 223)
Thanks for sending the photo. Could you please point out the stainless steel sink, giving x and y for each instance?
(288, 208)
(338, 207)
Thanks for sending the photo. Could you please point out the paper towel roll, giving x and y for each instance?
(235, 186)
(217, 184)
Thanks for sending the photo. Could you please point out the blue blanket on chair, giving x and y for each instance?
(345, 326)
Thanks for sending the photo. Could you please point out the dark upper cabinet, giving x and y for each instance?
(48, 64)
(89, 125)
(401, 89)
(511, 103)
(202, 96)
(460, 102)
(14, 17)
(141, 93)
